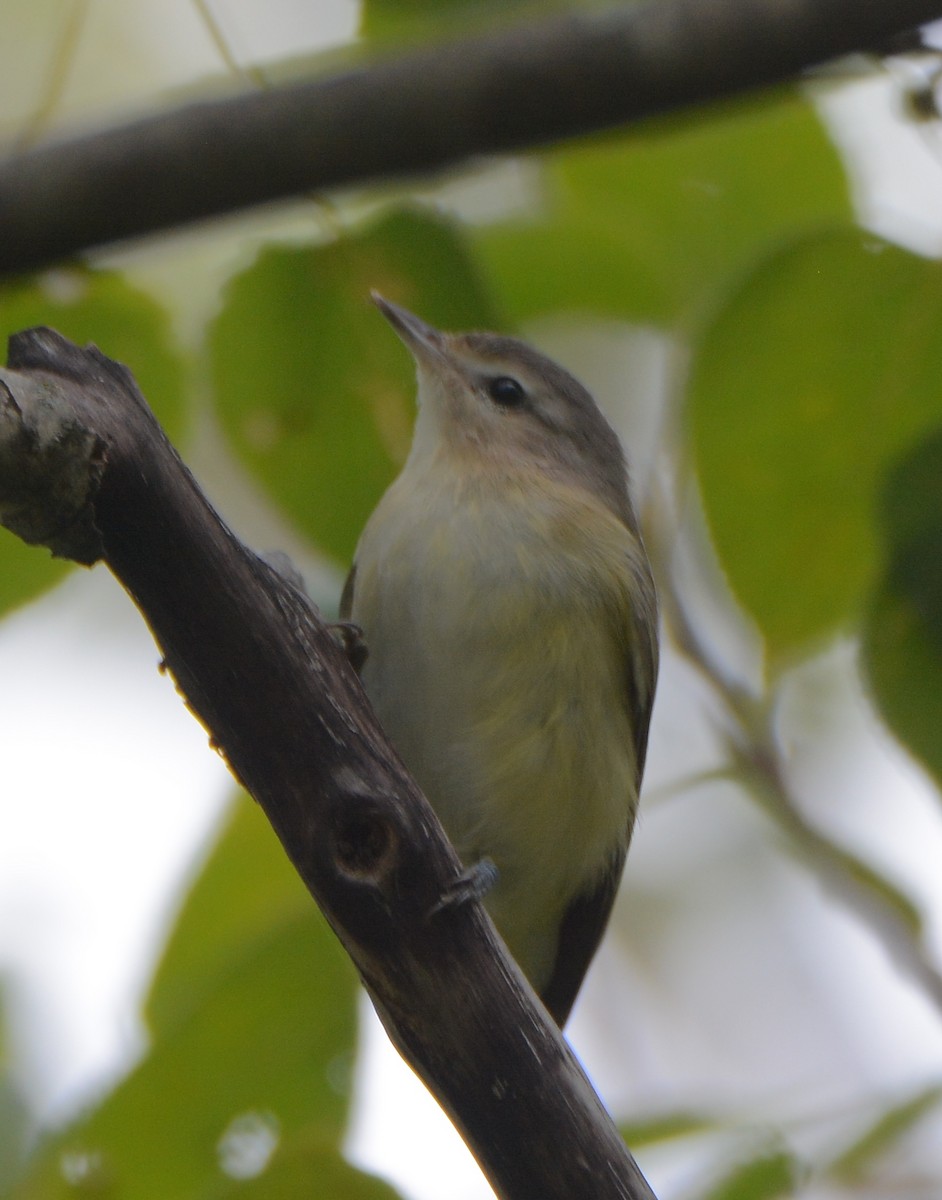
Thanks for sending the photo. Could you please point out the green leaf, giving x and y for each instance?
(16, 1122)
(302, 1169)
(902, 647)
(16, 1119)
(26, 571)
(764, 1178)
(571, 266)
(384, 21)
(814, 376)
(313, 388)
(649, 226)
(664, 1128)
(883, 1135)
(247, 890)
(122, 321)
(99, 307)
(254, 1020)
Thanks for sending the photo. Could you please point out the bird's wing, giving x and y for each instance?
(587, 916)
(346, 596)
(580, 932)
(640, 651)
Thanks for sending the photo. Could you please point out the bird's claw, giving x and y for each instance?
(472, 884)
(349, 637)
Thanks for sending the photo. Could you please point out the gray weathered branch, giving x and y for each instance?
(422, 112)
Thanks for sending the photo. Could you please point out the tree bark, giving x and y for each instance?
(86, 469)
(422, 112)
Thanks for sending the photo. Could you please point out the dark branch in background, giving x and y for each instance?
(425, 111)
(86, 470)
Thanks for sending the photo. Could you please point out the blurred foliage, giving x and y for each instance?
(665, 1127)
(103, 308)
(652, 226)
(15, 1116)
(903, 629)
(806, 384)
(765, 1178)
(252, 1017)
(803, 411)
(384, 22)
(883, 1135)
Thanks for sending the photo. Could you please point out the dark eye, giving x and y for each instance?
(505, 391)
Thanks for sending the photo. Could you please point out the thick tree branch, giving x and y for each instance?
(425, 111)
(86, 469)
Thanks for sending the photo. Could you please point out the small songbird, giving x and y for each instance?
(510, 622)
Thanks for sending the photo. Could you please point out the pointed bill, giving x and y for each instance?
(423, 341)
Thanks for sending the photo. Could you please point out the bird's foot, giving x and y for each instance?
(472, 884)
(349, 637)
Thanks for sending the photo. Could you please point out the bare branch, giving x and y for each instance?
(264, 675)
(423, 112)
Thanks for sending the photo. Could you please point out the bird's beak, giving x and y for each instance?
(426, 344)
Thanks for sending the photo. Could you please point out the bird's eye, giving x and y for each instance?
(505, 391)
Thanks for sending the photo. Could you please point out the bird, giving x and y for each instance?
(510, 621)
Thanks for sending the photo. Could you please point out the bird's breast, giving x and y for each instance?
(495, 664)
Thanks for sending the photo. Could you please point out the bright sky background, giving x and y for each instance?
(108, 790)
